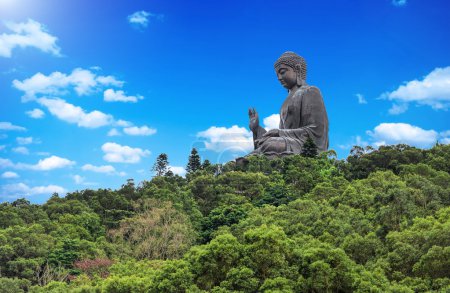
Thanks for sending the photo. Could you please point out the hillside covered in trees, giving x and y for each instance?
(376, 222)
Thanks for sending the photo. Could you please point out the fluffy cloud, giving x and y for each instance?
(9, 175)
(27, 34)
(116, 153)
(35, 113)
(395, 133)
(143, 130)
(433, 91)
(221, 139)
(398, 109)
(354, 141)
(361, 99)
(177, 170)
(10, 126)
(81, 80)
(47, 164)
(6, 163)
(50, 163)
(21, 150)
(123, 123)
(272, 122)
(80, 180)
(140, 19)
(119, 96)
(114, 132)
(108, 169)
(21, 189)
(399, 3)
(74, 114)
(444, 137)
(24, 140)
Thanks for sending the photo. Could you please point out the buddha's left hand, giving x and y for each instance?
(272, 133)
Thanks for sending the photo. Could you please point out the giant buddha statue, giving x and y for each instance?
(302, 114)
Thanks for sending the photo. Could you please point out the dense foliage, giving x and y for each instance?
(376, 222)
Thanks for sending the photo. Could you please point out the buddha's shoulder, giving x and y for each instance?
(307, 90)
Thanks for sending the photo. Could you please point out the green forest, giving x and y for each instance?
(378, 221)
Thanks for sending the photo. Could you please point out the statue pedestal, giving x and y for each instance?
(242, 162)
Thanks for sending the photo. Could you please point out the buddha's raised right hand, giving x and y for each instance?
(254, 120)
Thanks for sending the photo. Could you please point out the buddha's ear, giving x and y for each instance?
(299, 75)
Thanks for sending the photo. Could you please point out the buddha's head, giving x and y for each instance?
(291, 70)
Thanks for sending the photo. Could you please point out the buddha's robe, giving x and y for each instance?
(302, 114)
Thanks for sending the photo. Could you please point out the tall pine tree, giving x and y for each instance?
(161, 166)
(309, 148)
(206, 164)
(194, 162)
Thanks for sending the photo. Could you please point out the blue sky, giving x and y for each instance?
(93, 91)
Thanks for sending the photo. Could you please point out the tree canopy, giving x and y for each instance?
(378, 221)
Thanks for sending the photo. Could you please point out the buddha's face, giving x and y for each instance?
(287, 76)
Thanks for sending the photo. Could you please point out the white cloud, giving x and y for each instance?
(10, 126)
(116, 153)
(27, 34)
(445, 133)
(21, 150)
(395, 133)
(119, 96)
(81, 80)
(143, 130)
(123, 123)
(78, 179)
(21, 189)
(6, 163)
(361, 99)
(10, 175)
(108, 169)
(444, 137)
(398, 109)
(235, 138)
(24, 140)
(433, 91)
(114, 132)
(177, 170)
(76, 115)
(399, 3)
(354, 141)
(109, 80)
(50, 163)
(272, 122)
(47, 164)
(36, 113)
(139, 18)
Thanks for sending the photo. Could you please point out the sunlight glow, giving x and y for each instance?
(7, 4)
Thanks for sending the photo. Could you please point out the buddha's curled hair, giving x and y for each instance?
(293, 60)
